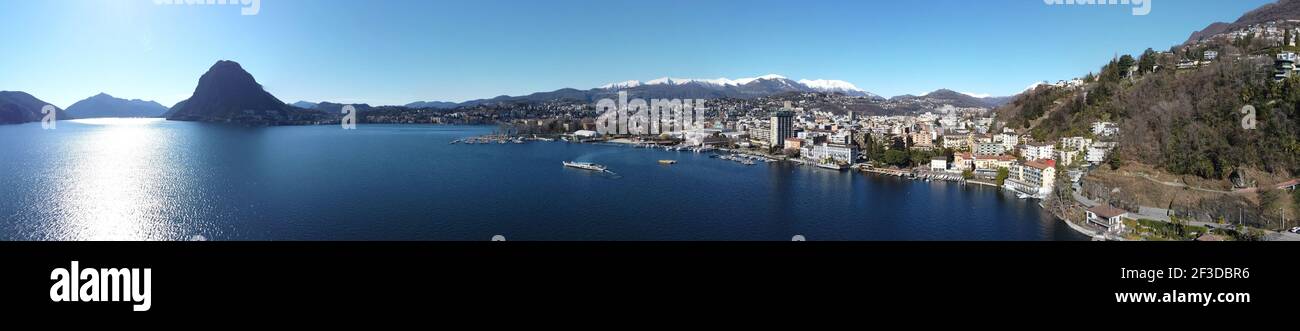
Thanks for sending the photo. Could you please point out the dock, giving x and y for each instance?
(888, 172)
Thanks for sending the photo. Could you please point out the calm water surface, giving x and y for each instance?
(145, 179)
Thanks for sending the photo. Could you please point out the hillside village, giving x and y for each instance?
(1189, 155)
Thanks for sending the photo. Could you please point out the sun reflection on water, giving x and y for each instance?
(114, 182)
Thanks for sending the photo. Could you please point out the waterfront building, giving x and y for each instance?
(781, 127)
(1033, 177)
(1107, 217)
(963, 161)
(984, 164)
(760, 135)
(939, 164)
(837, 153)
(793, 143)
(736, 136)
(703, 137)
(992, 163)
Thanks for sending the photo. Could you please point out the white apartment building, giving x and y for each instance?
(1075, 143)
(956, 141)
(1105, 129)
(1038, 151)
(939, 164)
(1008, 141)
(989, 149)
(838, 153)
(1098, 151)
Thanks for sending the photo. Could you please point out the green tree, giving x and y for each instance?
(1115, 162)
(1003, 174)
(1147, 62)
(1126, 62)
(967, 174)
(896, 158)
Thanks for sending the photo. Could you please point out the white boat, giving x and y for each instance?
(586, 166)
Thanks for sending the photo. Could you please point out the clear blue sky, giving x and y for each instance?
(398, 51)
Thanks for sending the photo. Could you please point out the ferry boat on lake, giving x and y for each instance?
(586, 166)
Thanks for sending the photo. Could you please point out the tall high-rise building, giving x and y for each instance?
(782, 127)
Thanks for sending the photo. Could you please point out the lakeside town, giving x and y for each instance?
(960, 144)
(1071, 164)
(955, 144)
(1149, 147)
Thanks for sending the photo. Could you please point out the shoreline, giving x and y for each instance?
(1094, 236)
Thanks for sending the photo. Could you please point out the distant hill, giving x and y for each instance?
(432, 104)
(305, 105)
(957, 99)
(104, 105)
(20, 107)
(998, 101)
(1278, 11)
(227, 93)
(337, 108)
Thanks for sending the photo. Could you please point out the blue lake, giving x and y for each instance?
(144, 179)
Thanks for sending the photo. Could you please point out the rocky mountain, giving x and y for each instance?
(104, 105)
(20, 107)
(227, 93)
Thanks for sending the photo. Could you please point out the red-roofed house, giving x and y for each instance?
(1108, 217)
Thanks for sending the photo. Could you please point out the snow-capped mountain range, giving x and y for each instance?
(817, 85)
(744, 88)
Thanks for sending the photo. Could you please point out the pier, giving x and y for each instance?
(888, 172)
